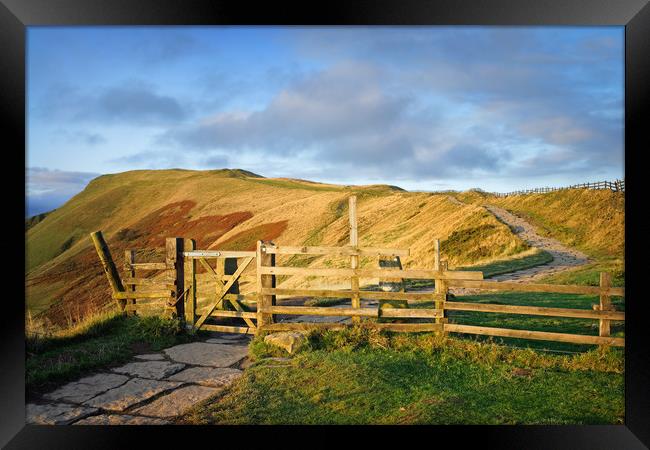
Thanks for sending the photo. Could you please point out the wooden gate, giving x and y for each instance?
(226, 274)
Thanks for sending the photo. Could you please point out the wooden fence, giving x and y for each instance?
(176, 291)
(616, 186)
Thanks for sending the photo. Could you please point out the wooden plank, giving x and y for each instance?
(135, 281)
(411, 312)
(252, 298)
(152, 266)
(321, 311)
(301, 326)
(240, 314)
(605, 303)
(531, 287)
(195, 254)
(229, 329)
(155, 288)
(338, 251)
(109, 267)
(397, 327)
(354, 259)
(223, 292)
(264, 281)
(535, 335)
(535, 310)
(331, 293)
(125, 295)
(425, 274)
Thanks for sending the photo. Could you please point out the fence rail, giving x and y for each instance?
(616, 186)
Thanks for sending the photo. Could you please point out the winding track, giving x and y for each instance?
(563, 257)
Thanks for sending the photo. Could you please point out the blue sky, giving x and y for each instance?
(424, 108)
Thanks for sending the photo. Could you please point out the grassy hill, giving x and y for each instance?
(232, 209)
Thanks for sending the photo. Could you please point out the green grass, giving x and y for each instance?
(536, 323)
(110, 339)
(511, 265)
(463, 243)
(589, 274)
(361, 376)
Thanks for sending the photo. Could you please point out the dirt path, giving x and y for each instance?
(563, 257)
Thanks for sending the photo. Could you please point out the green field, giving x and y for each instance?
(358, 376)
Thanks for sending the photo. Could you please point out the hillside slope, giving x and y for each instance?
(232, 209)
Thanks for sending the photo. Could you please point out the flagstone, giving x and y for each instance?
(177, 401)
(135, 391)
(86, 388)
(204, 354)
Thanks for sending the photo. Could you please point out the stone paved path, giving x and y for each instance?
(150, 390)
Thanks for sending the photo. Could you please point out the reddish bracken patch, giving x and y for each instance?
(247, 239)
(85, 286)
(173, 220)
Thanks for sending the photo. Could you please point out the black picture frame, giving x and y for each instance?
(16, 15)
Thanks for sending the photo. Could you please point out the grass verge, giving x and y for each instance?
(105, 340)
(363, 376)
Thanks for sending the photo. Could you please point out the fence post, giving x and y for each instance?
(441, 288)
(129, 260)
(264, 259)
(174, 260)
(109, 267)
(190, 275)
(605, 303)
(354, 260)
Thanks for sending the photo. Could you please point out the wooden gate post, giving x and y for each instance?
(109, 267)
(174, 260)
(190, 276)
(354, 260)
(605, 303)
(129, 260)
(264, 259)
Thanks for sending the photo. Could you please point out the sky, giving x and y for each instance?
(424, 108)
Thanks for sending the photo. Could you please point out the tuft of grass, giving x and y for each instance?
(104, 340)
(363, 376)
